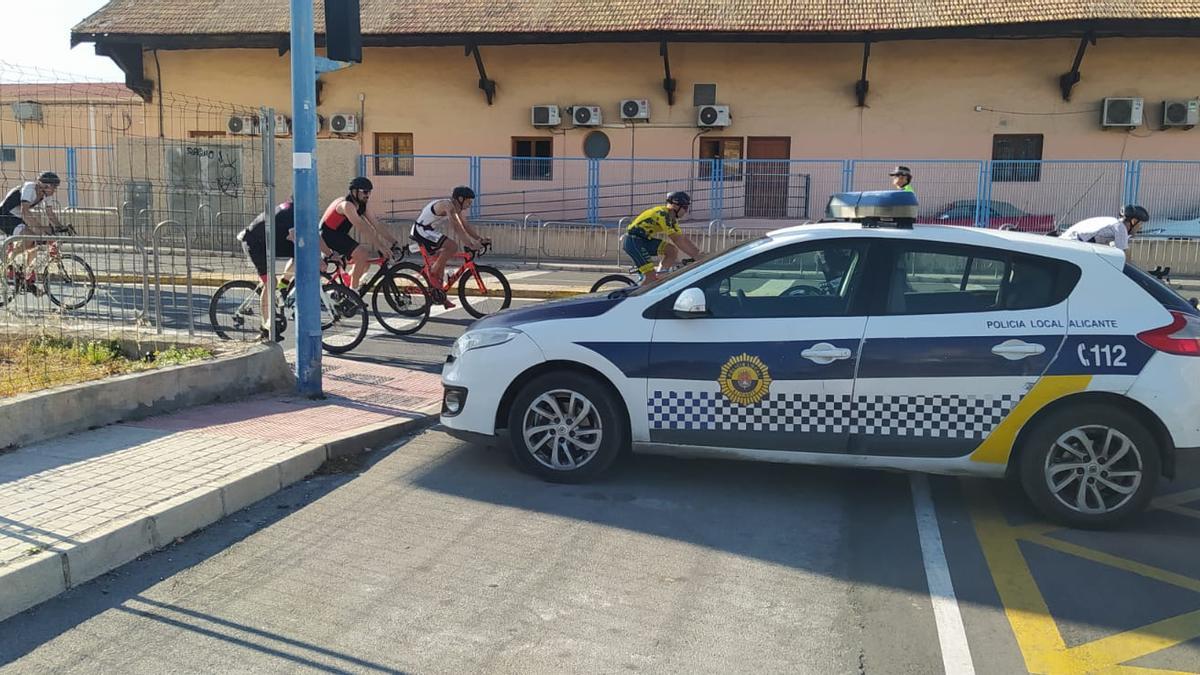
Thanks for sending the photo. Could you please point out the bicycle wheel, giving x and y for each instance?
(400, 303)
(343, 319)
(236, 311)
(612, 282)
(69, 281)
(484, 292)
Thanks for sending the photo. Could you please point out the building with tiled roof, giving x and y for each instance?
(897, 81)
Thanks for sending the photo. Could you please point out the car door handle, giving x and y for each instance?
(1014, 350)
(824, 353)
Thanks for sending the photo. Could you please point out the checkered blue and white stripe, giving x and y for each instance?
(949, 416)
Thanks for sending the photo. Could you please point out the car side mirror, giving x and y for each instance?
(691, 304)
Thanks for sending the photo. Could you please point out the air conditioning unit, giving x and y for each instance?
(242, 125)
(343, 123)
(545, 116)
(1184, 113)
(27, 111)
(713, 116)
(586, 115)
(1121, 112)
(635, 109)
(283, 125)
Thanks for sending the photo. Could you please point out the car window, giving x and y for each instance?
(1165, 295)
(702, 266)
(943, 279)
(1006, 210)
(807, 280)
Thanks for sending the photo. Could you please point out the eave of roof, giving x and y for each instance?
(1105, 28)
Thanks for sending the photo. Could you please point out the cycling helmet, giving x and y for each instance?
(462, 192)
(679, 198)
(901, 171)
(49, 178)
(361, 183)
(1135, 211)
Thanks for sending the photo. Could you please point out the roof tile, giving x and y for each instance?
(390, 17)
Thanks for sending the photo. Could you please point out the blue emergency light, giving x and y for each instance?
(879, 208)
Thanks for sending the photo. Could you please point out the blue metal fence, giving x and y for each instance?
(1033, 195)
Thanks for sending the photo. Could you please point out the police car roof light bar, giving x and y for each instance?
(880, 208)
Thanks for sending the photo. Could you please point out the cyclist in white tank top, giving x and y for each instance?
(442, 227)
(430, 224)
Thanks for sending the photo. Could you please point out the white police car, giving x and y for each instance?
(940, 349)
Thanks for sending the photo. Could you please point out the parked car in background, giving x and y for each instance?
(1171, 229)
(997, 215)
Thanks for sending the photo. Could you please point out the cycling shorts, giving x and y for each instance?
(431, 245)
(643, 251)
(339, 241)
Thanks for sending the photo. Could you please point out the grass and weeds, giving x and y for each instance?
(44, 362)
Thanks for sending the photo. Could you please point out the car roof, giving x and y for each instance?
(1035, 244)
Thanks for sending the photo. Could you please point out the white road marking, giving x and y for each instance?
(956, 653)
(525, 274)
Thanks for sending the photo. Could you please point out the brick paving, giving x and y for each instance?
(55, 492)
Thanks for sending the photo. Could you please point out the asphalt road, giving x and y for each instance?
(439, 556)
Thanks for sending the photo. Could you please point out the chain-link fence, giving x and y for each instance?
(114, 268)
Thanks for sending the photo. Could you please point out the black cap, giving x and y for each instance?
(901, 171)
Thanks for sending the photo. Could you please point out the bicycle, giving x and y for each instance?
(235, 310)
(67, 280)
(617, 282)
(407, 302)
(486, 297)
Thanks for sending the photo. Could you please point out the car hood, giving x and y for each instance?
(570, 308)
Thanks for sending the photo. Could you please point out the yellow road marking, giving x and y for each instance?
(1037, 634)
(1118, 562)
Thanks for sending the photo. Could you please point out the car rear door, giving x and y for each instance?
(957, 342)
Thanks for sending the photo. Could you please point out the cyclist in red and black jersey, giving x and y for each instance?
(349, 212)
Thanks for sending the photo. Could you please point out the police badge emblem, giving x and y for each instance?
(744, 380)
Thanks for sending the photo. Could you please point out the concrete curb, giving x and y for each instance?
(45, 574)
(28, 418)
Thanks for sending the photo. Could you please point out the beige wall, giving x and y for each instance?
(921, 104)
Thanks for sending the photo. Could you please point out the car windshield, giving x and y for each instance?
(711, 263)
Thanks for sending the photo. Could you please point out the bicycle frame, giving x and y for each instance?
(468, 257)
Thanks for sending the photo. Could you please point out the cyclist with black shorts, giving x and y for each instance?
(442, 229)
(17, 217)
(656, 233)
(347, 215)
(254, 243)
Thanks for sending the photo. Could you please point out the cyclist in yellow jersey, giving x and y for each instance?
(655, 232)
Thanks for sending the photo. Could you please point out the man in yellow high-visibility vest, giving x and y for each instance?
(902, 178)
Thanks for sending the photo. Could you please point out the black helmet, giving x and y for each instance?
(49, 178)
(1135, 211)
(462, 192)
(361, 183)
(901, 171)
(679, 198)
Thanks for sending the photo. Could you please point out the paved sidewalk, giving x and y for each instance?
(76, 507)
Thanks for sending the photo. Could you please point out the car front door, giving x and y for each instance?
(769, 363)
(959, 338)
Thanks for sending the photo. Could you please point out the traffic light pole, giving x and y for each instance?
(304, 166)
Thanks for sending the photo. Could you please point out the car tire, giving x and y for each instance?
(1092, 488)
(573, 412)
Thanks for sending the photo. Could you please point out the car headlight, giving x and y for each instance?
(484, 337)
